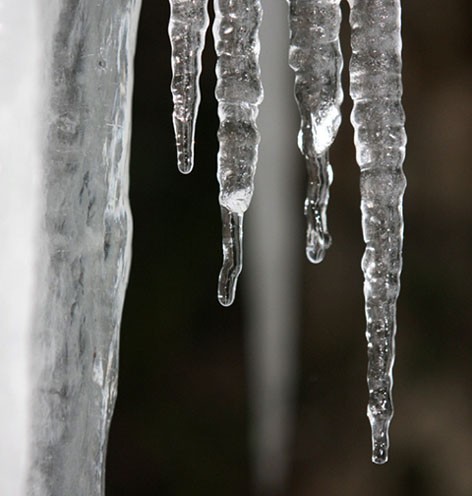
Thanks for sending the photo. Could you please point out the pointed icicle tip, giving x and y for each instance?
(232, 256)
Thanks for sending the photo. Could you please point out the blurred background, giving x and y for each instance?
(182, 422)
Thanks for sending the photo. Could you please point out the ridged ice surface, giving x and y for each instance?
(85, 249)
(315, 56)
(380, 138)
(187, 29)
(239, 93)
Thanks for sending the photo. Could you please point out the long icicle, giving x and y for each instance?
(378, 119)
(315, 56)
(239, 93)
(187, 27)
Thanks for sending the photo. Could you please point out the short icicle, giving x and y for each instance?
(239, 94)
(315, 56)
(378, 119)
(187, 28)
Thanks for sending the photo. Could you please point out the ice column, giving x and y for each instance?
(315, 56)
(239, 93)
(380, 138)
(187, 28)
(65, 111)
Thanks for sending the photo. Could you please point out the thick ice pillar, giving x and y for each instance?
(65, 225)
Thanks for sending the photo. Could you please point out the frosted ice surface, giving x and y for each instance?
(85, 244)
(315, 56)
(187, 29)
(380, 139)
(239, 93)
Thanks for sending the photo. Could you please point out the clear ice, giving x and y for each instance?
(85, 240)
(315, 56)
(187, 28)
(378, 119)
(239, 93)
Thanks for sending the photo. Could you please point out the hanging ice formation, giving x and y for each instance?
(380, 139)
(378, 120)
(187, 28)
(315, 56)
(239, 93)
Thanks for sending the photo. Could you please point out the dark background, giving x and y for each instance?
(181, 421)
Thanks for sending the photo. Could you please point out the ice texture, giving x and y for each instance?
(239, 93)
(85, 241)
(315, 56)
(378, 119)
(187, 28)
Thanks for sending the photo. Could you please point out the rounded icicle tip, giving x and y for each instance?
(379, 454)
(232, 256)
(316, 252)
(184, 142)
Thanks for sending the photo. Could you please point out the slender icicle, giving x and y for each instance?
(380, 138)
(315, 56)
(239, 93)
(187, 28)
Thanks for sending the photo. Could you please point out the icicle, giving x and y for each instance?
(380, 138)
(315, 56)
(187, 28)
(239, 93)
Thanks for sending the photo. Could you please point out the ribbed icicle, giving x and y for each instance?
(380, 138)
(187, 28)
(315, 56)
(239, 93)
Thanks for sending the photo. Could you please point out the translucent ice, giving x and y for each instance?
(65, 115)
(315, 56)
(380, 138)
(187, 28)
(239, 93)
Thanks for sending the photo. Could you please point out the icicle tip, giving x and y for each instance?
(232, 256)
(185, 145)
(380, 438)
(315, 252)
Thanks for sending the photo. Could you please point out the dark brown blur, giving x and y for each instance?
(181, 421)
